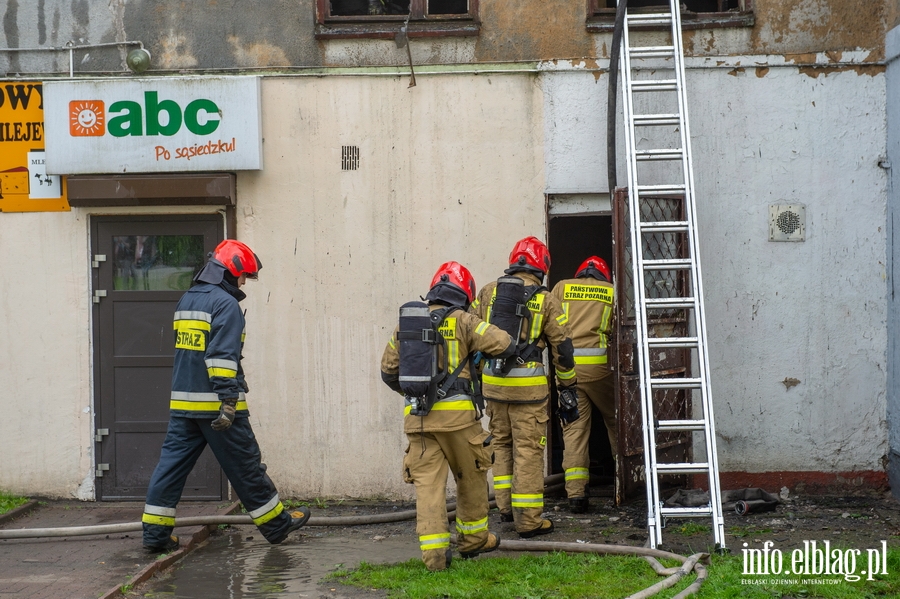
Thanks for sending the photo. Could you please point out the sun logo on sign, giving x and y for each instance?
(87, 118)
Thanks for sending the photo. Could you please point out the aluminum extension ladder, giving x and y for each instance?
(657, 142)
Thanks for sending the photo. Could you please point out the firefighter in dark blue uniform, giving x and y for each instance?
(208, 404)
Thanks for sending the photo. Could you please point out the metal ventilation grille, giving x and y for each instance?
(349, 158)
(787, 222)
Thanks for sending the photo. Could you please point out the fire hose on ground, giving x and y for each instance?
(673, 575)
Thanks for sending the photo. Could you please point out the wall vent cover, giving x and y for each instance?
(349, 158)
(787, 222)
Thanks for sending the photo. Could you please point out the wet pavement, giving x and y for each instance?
(92, 566)
(238, 564)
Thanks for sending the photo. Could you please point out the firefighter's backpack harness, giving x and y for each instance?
(423, 374)
(510, 313)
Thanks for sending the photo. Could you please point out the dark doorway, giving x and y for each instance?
(572, 239)
(142, 267)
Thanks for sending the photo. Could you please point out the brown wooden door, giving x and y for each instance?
(667, 404)
(142, 267)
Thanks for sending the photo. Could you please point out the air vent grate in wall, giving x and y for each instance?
(787, 222)
(349, 158)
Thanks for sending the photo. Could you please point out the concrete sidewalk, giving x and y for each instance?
(87, 567)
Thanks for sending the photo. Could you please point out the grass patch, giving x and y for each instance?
(582, 576)
(10, 502)
(551, 576)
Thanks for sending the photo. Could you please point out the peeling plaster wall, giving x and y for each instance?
(814, 311)
(243, 34)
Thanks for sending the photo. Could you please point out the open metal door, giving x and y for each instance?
(674, 404)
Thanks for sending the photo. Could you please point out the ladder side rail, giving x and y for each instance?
(641, 333)
(697, 283)
(655, 522)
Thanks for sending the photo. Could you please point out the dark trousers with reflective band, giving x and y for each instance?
(593, 395)
(238, 453)
(426, 464)
(520, 436)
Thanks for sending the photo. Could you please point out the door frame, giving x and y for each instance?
(199, 193)
(100, 352)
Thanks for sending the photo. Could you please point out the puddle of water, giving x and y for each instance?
(231, 567)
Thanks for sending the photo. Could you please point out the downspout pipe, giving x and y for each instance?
(612, 96)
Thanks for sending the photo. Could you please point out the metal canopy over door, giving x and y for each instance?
(673, 404)
(142, 267)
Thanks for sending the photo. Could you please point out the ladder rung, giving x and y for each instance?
(673, 154)
(655, 85)
(685, 512)
(655, 120)
(683, 342)
(671, 226)
(649, 19)
(680, 425)
(655, 191)
(667, 264)
(675, 383)
(652, 52)
(683, 468)
(662, 303)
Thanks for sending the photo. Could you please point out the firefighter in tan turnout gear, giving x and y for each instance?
(517, 389)
(429, 360)
(587, 300)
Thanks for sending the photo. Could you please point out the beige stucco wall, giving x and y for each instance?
(441, 165)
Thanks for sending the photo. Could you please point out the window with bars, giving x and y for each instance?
(382, 18)
(694, 13)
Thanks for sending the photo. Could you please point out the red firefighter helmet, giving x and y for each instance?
(531, 254)
(237, 258)
(456, 274)
(596, 264)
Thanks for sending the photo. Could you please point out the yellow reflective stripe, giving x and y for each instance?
(438, 541)
(503, 481)
(481, 328)
(591, 359)
(469, 528)
(524, 381)
(565, 374)
(243, 336)
(527, 501)
(198, 325)
(202, 406)
(452, 354)
(562, 319)
(159, 520)
(269, 515)
(391, 342)
(577, 473)
(604, 320)
(443, 406)
(537, 323)
(407, 410)
(223, 372)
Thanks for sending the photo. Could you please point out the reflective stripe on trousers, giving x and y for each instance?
(528, 500)
(468, 528)
(438, 541)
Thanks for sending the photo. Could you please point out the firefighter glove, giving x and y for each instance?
(568, 405)
(226, 415)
